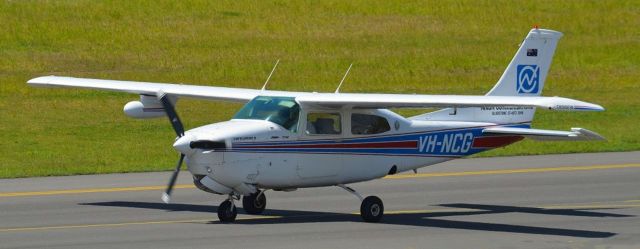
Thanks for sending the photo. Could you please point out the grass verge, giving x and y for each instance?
(437, 47)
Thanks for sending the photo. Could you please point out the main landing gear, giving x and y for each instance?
(252, 204)
(371, 208)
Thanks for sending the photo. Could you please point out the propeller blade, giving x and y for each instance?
(171, 113)
(166, 197)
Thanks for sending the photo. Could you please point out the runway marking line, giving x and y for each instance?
(396, 212)
(91, 190)
(18, 229)
(401, 176)
(590, 206)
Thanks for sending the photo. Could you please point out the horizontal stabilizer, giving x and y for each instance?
(575, 134)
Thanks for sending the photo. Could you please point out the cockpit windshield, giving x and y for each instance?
(280, 110)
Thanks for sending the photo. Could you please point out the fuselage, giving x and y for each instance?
(324, 147)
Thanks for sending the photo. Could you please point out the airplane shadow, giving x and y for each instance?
(421, 219)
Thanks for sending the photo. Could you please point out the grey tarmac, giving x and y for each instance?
(553, 201)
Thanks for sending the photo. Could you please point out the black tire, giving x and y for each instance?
(252, 204)
(227, 212)
(371, 209)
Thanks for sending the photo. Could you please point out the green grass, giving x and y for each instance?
(434, 47)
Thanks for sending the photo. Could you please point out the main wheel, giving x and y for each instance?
(227, 212)
(254, 203)
(371, 209)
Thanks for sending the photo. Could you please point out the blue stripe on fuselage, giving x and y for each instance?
(449, 142)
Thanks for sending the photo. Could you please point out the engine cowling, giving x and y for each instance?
(147, 107)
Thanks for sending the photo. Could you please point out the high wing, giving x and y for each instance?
(546, 135)
(325, 100)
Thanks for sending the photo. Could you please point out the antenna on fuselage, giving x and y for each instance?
(343, 77)
(268, 78)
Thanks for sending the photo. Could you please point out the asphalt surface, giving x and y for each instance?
(558, 201)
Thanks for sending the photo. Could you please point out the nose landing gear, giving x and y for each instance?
(252, 204)
(227, 210)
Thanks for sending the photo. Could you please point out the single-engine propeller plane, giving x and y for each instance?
(284, 140)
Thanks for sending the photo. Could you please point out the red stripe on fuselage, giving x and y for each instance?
(377, 145)
(495, 141)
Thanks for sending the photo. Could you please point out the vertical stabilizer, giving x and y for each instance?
(524, 76)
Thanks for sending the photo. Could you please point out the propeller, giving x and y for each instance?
(179, 129)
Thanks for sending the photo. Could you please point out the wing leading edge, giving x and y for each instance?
(148, 88)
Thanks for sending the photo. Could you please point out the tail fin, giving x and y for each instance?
(525, 76)
(528, 69)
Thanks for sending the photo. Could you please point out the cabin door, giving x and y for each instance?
(319, 155)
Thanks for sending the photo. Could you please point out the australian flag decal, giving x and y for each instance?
(533, 52)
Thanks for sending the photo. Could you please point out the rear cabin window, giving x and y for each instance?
(323, 124)
(365, 124)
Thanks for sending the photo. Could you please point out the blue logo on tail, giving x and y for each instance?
(528, 79)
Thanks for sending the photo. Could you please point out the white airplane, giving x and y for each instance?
(284, 140)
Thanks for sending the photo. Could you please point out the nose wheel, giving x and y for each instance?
(227, 211)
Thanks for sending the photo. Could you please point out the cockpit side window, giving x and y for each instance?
(323, 123)
(283, 111)
(366, 124)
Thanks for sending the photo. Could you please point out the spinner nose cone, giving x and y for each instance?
(183, 145)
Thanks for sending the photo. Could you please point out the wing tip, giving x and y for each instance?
(588, 134)
(42, 80)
